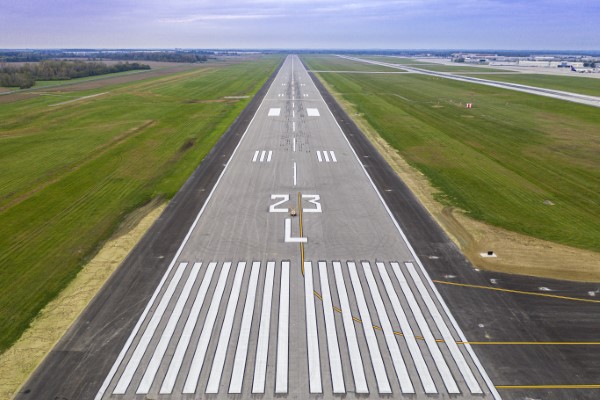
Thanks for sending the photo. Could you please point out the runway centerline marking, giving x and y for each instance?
(295, 173)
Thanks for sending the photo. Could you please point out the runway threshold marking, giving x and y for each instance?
(554, 296)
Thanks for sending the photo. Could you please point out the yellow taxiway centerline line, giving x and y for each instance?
(337, 309)
(554, 296)
(548, 386)
(533, 343)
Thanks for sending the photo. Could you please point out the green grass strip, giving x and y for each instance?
(522, 162)
(72, 172)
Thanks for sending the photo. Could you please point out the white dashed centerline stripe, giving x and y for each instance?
(221, 352)
(136, 358)
(438, 358)
(295, 172)
(294, 144)
(464, 368)
(409, 336)
(167, 334)
(379, 368)
(335, 361)
(241, 351)
(262, 349)
(312, 339)
(281, 380)
(388, 333)
(358, 372)
(209, 322)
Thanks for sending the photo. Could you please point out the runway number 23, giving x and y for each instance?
(281, 199)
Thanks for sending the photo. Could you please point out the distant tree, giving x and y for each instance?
(25, 76)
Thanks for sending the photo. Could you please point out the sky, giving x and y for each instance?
(302, 24)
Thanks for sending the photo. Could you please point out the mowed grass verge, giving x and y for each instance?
(522, 162)
(72, 172)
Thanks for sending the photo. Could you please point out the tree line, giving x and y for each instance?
(166, 56)
(25, 76)
(182, 56)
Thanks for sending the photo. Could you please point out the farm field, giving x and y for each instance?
(517, 161)
(77, 161)
(574, 84)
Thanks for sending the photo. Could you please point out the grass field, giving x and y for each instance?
(522, 162)
(72, 172)
(329, 63)
(575, 84)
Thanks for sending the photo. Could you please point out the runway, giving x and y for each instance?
(338, 280)
(231, 296)
(556, 94)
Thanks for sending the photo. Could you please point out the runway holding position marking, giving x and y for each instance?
(271, 292)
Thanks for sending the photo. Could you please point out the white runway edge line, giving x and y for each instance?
(136, 358)
(312, 338)
(360, 381)
(281, 378)
(383, 383)
(167, 334)
(186, 335)
(335, 361)
(262, 348)
(241, 351)
(438, 296)
(136, 328)
(221, 352)
(193, 376)
(388, 332)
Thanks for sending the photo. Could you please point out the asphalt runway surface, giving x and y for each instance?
(295, 263)
(556, 94)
